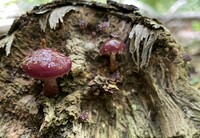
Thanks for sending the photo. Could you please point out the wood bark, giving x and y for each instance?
(147, 96)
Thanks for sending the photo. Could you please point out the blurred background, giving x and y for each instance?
(181, 17)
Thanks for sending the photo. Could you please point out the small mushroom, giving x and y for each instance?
(84, 116)
(83, 24)
(112, 47)
(47, 64)
(103, 27)
(187, 57)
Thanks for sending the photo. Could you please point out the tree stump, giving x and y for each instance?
(148, 94)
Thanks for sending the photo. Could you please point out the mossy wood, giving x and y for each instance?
(147, 96)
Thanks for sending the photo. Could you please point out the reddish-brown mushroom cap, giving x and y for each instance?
(112, 46)
(46, 63)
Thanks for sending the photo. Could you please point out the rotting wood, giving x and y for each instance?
(148, 95)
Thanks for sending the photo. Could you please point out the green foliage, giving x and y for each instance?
(32, 2)
(196, 25)
(192, 5)
(159, 5)
(102, 1)
(163, 6)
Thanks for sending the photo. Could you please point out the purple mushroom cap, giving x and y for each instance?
(46, 63)
(187, 57)
(112, 46)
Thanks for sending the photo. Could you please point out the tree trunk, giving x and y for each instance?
(147, 96)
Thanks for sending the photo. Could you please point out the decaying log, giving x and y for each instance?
(147, 96)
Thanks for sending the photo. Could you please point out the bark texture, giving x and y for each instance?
(147, 96)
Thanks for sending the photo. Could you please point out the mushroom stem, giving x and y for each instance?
(112, 62)
(50, 87)
(43, 43)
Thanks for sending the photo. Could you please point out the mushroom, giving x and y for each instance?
(112, 47)
(83, 24)
(47, 64)
(103, 27)
(187, 57)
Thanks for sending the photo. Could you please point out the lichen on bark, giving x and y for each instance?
(147, 96)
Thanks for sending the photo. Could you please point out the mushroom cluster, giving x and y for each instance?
(47, 64)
